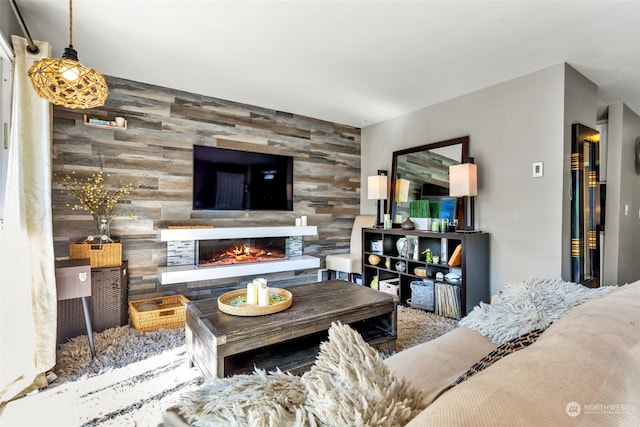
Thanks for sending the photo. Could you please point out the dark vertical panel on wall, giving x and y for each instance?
(155, 152)
(585, 206)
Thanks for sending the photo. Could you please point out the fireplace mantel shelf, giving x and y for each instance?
(192, 273)
(168, 234)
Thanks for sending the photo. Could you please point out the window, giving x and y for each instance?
(6, 59)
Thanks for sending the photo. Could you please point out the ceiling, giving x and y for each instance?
(350, 62)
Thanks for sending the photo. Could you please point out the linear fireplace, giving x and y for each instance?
(240, 251)
(209, 253)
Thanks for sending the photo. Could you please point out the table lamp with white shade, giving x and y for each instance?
(463, 182)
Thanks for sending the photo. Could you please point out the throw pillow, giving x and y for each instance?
(349, 385)
(253, 400)
(528, 305)
(511, 346)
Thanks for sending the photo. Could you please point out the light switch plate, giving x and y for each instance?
(538, 169)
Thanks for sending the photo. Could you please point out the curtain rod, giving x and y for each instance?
(32, 46)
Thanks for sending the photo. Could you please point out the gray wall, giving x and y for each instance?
(622, 232)
(511, 125)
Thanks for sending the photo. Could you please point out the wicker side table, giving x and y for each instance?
(108, 304)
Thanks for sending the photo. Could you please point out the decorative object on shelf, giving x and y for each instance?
(64, 81)
(413, 248)
(387, 222)
(377, 190)
(444, 225)
(408, 224)
(387, 263)
(463, 182)
(374, 259)
(401, 247)
(452, 278)
(118, 122)
(435, 225)
(428, 256)
(235, 302)
(376, 246)
(420, 271)
(92, 196)
(436, 259)
(419, 214)
(439, 276)
(401, 266)
(374, 283)
(456, 257)
(103, 223)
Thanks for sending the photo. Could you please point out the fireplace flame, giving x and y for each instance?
(243, 251)
(242, 254)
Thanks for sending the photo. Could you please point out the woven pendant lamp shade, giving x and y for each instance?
(87, 90)
(64, 81)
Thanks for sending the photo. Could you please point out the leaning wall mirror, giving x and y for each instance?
(423, 173)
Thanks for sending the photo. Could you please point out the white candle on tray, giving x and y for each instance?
(263, 295)
(252, 293)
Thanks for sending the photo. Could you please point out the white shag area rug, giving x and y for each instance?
(135, 376)
(527, 305)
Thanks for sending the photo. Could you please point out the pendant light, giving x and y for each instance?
(64, 81)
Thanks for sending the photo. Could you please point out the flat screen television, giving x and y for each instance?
(225, 179)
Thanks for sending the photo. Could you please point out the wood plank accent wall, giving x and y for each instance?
(155, 152)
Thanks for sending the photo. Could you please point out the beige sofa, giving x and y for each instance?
(583, 370)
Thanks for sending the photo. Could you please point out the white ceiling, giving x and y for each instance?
(351, 62)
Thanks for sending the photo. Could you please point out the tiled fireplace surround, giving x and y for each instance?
(155, 152)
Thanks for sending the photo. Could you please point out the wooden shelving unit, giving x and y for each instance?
(474, 286)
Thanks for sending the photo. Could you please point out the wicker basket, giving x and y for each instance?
(101, 255)
(170, 313)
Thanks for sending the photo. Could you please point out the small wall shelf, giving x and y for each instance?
(103, 124)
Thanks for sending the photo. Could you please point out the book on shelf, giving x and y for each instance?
(447, 298)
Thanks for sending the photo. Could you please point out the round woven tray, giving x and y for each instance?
(252, 309)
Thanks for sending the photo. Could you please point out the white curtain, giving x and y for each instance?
(28, 315)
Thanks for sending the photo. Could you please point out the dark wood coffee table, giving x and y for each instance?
(221, 344)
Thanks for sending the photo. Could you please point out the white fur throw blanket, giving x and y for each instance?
(348, 385)
(528, 305)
